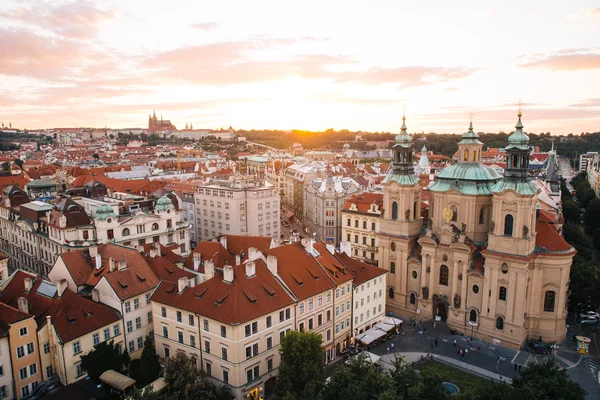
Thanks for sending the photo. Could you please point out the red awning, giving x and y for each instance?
(289, 214)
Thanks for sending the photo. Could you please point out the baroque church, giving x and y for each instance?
(159, 125)
(484, 262)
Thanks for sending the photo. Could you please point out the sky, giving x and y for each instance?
(302, 65)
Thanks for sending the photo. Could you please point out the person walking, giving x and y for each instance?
(436, 342)
(388, 350)
(516, 367)
(392, 346)
(454, 343)
(466, 352)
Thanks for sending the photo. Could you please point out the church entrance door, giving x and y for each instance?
(440, 308)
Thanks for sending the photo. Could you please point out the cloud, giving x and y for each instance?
(77, 20)
(405, 76)
(205, 26)
(568, 62)
(588, 103)
(595, 11)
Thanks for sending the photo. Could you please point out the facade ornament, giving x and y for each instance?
(407, 213)
(62, 221)
(492, 226)
(428, 269)
(464, 228)
(429, 223)
(457, 300)
(460, 276)
(425, 293)
(525, 231)
(454, 239)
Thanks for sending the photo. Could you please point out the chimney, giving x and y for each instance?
(250, 269)
(330, 248)
(227, 273)
(223, 240)
(308, 244)
(23, 307)
(96, 295)
(209, 269)
(140, 248)
(253, 253)
(98, 261)
(197, 260)
(272, 264)
(152, 253)
(61, 285)
(111, 264)
(122, 265)
(238, 259)
(28, 284)
(93, 251)
(182, 284)
(346, 247)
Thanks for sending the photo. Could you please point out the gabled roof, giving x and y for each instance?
(332, 265)
(238, 244)
(72, 315)
(300, 271)
(549, 242)
(362, 272)
(363, 201)
(243, 300)
(210, 251)
(166, 270)
(8, 316)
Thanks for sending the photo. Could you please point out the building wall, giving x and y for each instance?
(30, 358)
(3, 269)
(343, 316)
(364, 241)
(369, 304)
(322, 305)
(6, 379)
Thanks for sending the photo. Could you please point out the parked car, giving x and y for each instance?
(588, 320)
(540, 348)
(592, 314)
(285, 224)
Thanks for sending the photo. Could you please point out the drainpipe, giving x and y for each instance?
(50, 342)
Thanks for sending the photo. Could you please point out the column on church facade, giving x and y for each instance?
(562, 295)
(519, 310)
(454, 287)
(426, 262)
(464, 288)
(485, 294)
(512, 296)
(432, 277)
(493, 298)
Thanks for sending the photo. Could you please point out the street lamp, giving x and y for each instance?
(473, 325)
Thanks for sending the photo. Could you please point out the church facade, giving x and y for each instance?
(484, 262)
(159, 125)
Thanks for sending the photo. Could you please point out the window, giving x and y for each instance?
(502, 293)
(549, 298)
(223, 331)
(23, 373)
(180, 336)
(349, 222)
(320, 300)
(328, 315)
(499, 323)
(205, 325)
(33, 369)
(23, 331)
(225, 376)
(191, 319)
(140, 342)
(129, 326)
(270, 364)
(301, 326)
(208, 369)
(96, 338)
(125, 232)
(131, 346)
(138, 322)
(46, 348)
(504, 268)
(76, 347)
(473, 316)
(49, 372)
(414, 274)
(508, 225)
(79, 370)
(482, 214)
(328, 334)
(301, 308)
(252, 374)
(391, 293)
(224, 353)
(454, 213)
(392, 268)
(20, 351)
(413, 298)
(163, 312)
(269, 342)
(127, 306)
(444, 275)
(136, 304)
(165, 331)
(475, 289)
(30, 348)
(328, 297)
(178, 316)
(394, 210)
(110, 234)
(269, 322)
(116, 330)
(310, 324)
(149, 317)
(155, 226)
(167, 352)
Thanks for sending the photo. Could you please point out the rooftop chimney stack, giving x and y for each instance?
(209, 269)
(152, 253)
(28, 284)
(197, 260)
(96, 295)
(22, 304)
(272, 264)
(223, 240)
(61, 285)
(182, 284)
(122, 265)
(250, 269)
(238, 259)
(253, 253)
(346, 247)
(93, 251)
(98, 261)
(227, 274)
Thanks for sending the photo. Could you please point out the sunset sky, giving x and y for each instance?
(302, 65)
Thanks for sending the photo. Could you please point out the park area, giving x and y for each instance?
(468, 384)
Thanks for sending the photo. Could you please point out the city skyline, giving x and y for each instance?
(311, 66)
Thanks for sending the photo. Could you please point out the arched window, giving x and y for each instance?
(394, 211)
(392, 268)
(473, 316)
(415, 210)
(508, 225)
(482, 214)
(391, 293)
(549, 301)
(454, 213)
(499, 323)
(474, 155)
(155, 226)
(466, 155)
(125, 232)
(413, 298)
(444, 275)
(502, 293)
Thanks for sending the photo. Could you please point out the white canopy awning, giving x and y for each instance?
(372, 358)
(370, 335)
(392, 321)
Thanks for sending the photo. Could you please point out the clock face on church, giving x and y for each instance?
(393, 246)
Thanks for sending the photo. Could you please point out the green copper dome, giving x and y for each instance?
(104, 212)
(164, 203)
(470, 137)
(403, 139)
(518, 139)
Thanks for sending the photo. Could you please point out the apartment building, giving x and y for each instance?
(21, 363)
(232, 324)
(68, 326)
(3, 267)
(296, 177)
(241, 205)
(360, 223)
(187, 192)
(323, 200)
(585, 159)
(593, 171)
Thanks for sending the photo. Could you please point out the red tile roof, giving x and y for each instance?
(210, 251)
(549, 240)
(336, 270)
(8, 316)
(237, 244)
(72, 315)
(244, 299)
(362, 272)
(363, 201)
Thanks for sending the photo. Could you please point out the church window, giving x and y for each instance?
(482, 214)
(474, 155)
(413, 298)
(414, 274)
(504, 268)
(444, 275)
(125, 232)
(394, 211)
(155, 226)
(508, 225)
(549, 301)
(473, 316)
(502, 293)
(466, 157)
(392, 268)
(475, 289)
(454, 213)
(391, 293)
(393, 246)
(415, 210)
(499, 323)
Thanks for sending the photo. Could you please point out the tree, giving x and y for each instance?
(103, 357)
(19, 163)
(546, 381)
(5, 166)
(187, 381)
(360, 379)
(584, 282)
(147, 368)
(571, 211)
(592, 215)
(301, 365)
(149, 394)
(95, 156)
